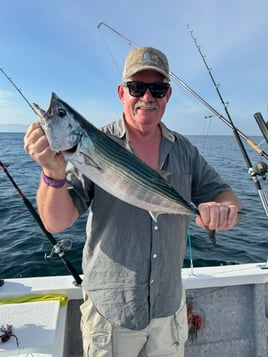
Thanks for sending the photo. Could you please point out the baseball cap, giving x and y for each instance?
(144, 58)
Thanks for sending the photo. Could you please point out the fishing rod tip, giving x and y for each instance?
(99, 25)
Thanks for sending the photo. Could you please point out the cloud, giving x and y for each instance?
(6, 97)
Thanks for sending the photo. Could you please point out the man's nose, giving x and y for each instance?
(148, 95)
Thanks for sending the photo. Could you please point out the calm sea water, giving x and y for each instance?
(23, 244)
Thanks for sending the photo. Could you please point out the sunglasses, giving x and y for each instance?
(138, 89)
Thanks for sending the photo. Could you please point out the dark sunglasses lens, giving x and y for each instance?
(159, 90)
(137, 89)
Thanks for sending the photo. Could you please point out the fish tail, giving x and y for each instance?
(212, 235)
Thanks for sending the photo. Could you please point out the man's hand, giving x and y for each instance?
(217, 216)
(37, 146)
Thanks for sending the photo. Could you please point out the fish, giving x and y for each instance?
(109, 164)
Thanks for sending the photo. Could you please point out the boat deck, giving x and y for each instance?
(232, 302)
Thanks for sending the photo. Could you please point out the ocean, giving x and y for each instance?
(24, 245)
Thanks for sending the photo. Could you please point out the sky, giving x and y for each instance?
(56, 46)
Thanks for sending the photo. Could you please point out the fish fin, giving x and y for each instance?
(154, 216)
(89, 161)
(164, 174)
(41, 115)
(39, 111)
(212, 235)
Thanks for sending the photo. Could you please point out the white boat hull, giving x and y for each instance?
(232, 301)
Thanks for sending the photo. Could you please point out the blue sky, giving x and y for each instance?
(55, 45)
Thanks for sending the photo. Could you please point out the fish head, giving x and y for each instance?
(60, 124)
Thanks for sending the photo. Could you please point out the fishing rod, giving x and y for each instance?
(59, 247)
(118, 33)
(262, 125)
(179, 81)
(238, 134)
(249, 141)
(18, 89)
(252, 172)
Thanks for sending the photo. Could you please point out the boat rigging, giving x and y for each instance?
(251, 169)
(179, 81)
(258, 169)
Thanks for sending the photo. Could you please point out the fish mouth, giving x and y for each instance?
(71, 150)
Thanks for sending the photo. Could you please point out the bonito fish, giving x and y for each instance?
(108, 164)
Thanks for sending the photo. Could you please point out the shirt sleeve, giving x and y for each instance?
(206, 182)
(80, 188)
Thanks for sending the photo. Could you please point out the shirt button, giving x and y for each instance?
(156, 228)
(152, 281)
(155, 256)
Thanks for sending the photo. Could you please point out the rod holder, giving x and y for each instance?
(262, 125)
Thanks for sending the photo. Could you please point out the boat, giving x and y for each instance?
(227, 306)
(229, 302)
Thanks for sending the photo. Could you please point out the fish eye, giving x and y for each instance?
(61, 112)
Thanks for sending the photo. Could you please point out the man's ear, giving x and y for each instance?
(169, 93)
(121, 92)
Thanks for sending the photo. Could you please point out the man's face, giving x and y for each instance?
(143, 112)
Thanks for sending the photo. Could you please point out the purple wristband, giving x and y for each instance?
(53, 183)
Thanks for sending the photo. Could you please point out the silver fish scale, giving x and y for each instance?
(110, 165)
(136, 170)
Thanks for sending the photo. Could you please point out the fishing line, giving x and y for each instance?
(252, 172)
(197, 96)
(249, 141)
(195, 103)
(59, 247)
(190, 251)
(110, 52)
(209, 119)
(19, 90)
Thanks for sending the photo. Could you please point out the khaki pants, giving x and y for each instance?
(163, 337)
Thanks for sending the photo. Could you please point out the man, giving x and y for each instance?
(134, 302)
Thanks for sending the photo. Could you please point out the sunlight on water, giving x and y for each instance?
(23, 244)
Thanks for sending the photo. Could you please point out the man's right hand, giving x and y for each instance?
(37, 146)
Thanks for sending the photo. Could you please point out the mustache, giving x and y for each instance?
(143, 105)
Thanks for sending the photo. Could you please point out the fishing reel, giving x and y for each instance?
(260, 169)
(59, 248)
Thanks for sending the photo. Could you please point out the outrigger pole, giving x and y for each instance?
(251, 170)
(238, 134)
(58, 246)
(197, 96)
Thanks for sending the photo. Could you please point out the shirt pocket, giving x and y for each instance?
(180, 322)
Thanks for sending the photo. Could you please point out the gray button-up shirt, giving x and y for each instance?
(132, 264)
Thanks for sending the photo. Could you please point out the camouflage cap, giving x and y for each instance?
(145, 58)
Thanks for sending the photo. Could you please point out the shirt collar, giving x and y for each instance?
(166, 133)
(120, 130)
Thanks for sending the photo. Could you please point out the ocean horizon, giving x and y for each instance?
(24, 245)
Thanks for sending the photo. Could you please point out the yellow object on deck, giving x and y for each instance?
(35, 298)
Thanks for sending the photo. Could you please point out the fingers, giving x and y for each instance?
(35, 139)
(37, 145)
(218, 216)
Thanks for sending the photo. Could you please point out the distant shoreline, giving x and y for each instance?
(13, 128)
